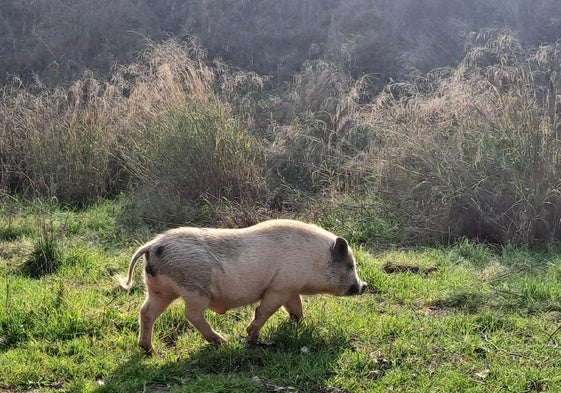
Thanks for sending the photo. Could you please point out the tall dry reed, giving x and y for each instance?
(474, 151)
(155, 124)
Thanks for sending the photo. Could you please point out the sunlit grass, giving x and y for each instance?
(480, 321)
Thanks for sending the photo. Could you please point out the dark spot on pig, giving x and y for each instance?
(150, 269)
(159, 251)
(149, 266)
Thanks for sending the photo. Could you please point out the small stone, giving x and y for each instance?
(483, 373)
(375, 374)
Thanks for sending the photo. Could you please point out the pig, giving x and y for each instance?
(274, 262)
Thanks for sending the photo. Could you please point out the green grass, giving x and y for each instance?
(484, 321)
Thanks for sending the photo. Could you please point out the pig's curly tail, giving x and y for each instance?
(127, 284)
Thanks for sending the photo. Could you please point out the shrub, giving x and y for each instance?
(156, 118)
(187, 151)
(58, 143)
(474, 151)
(189, 159)
(315, 129)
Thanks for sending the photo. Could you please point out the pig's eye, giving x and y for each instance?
(351, 267)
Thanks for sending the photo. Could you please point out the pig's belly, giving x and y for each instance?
(237, 289)
(222, 304)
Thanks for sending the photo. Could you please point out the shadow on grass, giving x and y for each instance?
(294, 357)
(467, 301)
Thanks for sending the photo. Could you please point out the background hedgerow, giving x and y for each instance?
(474, 150)
(57, 41)
(348, 116)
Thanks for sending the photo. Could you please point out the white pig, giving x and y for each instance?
(275, 261)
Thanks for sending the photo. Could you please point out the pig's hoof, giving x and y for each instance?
(252, 338)
(252, 334)
(260, 343)
(216, 340)
(296, 317)
(148, 349)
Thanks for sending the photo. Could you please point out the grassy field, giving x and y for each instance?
(401, 125)
(459, 318)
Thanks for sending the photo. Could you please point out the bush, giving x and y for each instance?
(474, 151)
(58, 143)
(315, 129)
(190, 159)
(156, 118)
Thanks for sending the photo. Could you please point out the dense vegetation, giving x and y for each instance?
(441, 130)
(58, 39)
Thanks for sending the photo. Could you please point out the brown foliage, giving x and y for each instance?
(58, 39)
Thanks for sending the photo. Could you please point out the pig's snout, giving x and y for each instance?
(357, 288)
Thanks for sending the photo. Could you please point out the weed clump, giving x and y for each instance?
(474, 151)
(156, 128)
(46, 256)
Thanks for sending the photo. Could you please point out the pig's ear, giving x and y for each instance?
(340, 249)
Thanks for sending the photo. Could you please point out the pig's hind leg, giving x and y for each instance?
(293, 307)
(152, 308)
(195, 307)
(160, 294)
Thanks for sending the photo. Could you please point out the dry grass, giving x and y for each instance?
(466, 151)
(52, 138)
(153, 121)
(475, 150)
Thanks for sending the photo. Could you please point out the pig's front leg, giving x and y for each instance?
(270, 303)
(293, 307)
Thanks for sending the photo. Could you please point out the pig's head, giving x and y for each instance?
(342, 270)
